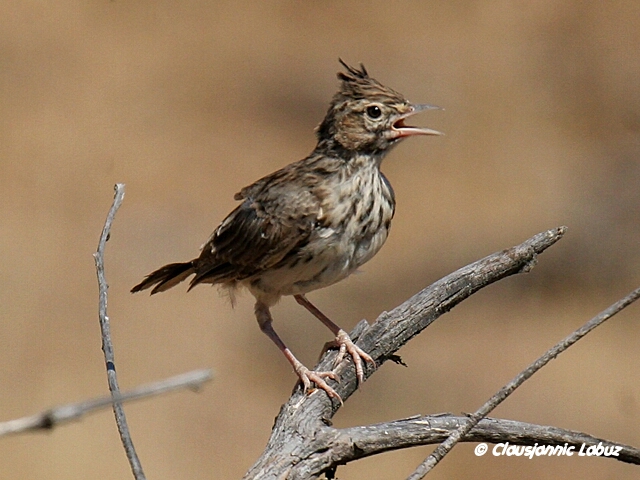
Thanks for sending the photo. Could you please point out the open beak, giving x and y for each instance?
(401, 130)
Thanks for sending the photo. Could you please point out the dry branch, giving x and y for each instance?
(107, 345)
(303, 444)
(429, 429)
(74, 411)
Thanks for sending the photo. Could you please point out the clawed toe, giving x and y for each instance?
(356, 353)
(342, 341)
(307, 376)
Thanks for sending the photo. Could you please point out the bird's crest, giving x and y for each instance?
(352, 73)
(357, 84)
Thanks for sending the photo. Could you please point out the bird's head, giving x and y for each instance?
(366, 116)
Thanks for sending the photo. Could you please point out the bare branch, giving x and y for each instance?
(437, 455)
(394, 329)
(74, 411)
(107, 346)
(303, 422)
(353, 443)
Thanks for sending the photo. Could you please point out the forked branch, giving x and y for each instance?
(303, 445)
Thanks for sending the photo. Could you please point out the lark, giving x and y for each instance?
(313, 222)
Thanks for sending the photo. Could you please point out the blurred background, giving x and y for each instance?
(188, 102)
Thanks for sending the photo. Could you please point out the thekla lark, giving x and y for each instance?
(313, 222)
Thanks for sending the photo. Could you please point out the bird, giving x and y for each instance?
(313, 222)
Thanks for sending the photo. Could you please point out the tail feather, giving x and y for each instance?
(165, 277)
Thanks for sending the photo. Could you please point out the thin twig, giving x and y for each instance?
(445, 447)
(107, 346)
(74, 411)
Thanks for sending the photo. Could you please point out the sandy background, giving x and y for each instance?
(188, 102)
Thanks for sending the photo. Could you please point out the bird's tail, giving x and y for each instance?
(165, 277)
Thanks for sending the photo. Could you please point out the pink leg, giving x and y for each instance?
(306, 376)
(342, 339)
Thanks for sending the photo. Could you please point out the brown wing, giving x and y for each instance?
(274, 220)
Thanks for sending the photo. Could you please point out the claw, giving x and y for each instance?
(356, 353)
(307, 376)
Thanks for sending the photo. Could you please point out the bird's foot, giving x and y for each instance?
(346, 345)
(307, 376)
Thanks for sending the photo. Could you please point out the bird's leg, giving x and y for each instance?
(306, 376)
(343, 341)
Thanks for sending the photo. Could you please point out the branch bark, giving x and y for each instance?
(303, 444)
(429, 429)
(107, 345)
(74, 411)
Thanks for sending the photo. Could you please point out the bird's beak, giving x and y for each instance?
(401, 130)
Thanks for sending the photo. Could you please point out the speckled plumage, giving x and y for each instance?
(313, 222)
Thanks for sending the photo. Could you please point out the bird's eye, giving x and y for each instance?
(373, 111)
